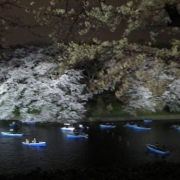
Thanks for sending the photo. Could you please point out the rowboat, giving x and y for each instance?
(70, 128)
(28, 122)
(107, 126)
(141, 128)
(77, 136)
(13, 125)
(147, 120)
(40, 143)
(11, 134)
(130, 125)
(176, 127)
(67, 124)
(154, 149)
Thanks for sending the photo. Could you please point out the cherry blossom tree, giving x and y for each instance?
(35, 92)
(139, 98)
(172, 97)
(153, 87)
(120, 65)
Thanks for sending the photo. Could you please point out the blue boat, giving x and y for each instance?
(12, 134)
(177, 127)
(77, 136)
(147, 121)
(141, 128)
(107, 126)
(39, 144)
(28, 122)
(130, 125)
(13, 125)
(156, 150)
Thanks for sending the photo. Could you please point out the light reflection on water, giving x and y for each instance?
(121, 147)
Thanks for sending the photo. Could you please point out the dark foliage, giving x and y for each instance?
(173, 14)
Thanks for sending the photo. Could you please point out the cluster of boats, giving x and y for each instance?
(152, 148)
(80, 127)
(15, 133)
(134, 126)
(78, 132)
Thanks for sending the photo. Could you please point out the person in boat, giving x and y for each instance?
(86, 127)
(76, 131)
(11, 130)
(34, 140)
(80, 126)
(157, 145)
(13, 122)
(16, 129)
(27, 140)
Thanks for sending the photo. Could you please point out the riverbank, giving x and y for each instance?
(131, 118)
(122, 118)
(158, 170)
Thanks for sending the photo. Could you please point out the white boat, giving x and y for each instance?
(80, 126)
(12, 134)
(40, 143)
(69, 128)
(67, 124)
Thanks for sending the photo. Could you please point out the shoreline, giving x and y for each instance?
(120, 118)
(133, 118)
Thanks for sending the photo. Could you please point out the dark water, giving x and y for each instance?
(121, 147)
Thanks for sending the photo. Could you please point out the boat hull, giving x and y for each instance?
(77, 136)
(41, 143)
(12, 134)
(153, 149)
(141, 128)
